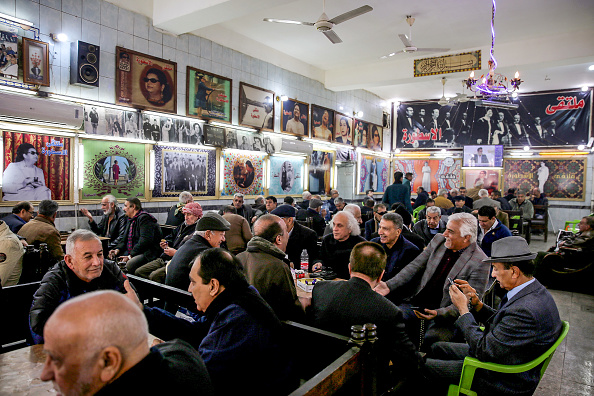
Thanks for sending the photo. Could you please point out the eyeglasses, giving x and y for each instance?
(381, 213)
(153, 80)
(32, 152)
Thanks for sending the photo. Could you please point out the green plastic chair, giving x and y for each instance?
(572, 226)
(416, 212)
(471, 364)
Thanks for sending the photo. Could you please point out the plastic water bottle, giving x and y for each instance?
(304, 260)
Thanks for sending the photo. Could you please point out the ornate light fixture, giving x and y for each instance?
(493, 84)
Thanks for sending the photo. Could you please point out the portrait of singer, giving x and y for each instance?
(156, 87)
(22, 179)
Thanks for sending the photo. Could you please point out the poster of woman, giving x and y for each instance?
(322, 123)
(483, 178)
(373, 173)
(431, 174)
(36, 167)
(321, 167)
(286, 176)
(344, 129)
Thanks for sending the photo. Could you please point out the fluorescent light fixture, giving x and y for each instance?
(81, 166)
(284, 98)
(305, 176)
(123, 139)
(151, 170)
(17, 20)
(71, 99)
(526, 148)
(230, 150)
(17, 90)
(266, 164)
(1, 162)
(183, 145)
(222, 170)
(581, 147)
(496, 104)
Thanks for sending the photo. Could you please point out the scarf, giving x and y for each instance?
(260, 244)
(179, 207)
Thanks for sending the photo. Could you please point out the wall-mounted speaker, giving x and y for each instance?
(84, 64)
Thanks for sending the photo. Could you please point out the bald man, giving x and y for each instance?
(97, 343)
(267, 268)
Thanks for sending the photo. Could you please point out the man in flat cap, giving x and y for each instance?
(526, 324)
(210, 232)
(315, 206)
(300, 237)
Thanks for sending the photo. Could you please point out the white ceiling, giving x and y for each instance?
(551, 42)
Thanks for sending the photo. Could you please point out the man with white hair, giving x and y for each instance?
(112, 224)
(431, 225)
(442, 200)
(336, 247)
(484, 200)
(355, 210)
(305, 203)
(175, 216)
(451, 255)
(98, 343)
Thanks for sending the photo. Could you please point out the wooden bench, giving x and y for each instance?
(16, 302)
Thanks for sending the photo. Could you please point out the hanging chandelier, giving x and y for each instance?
(493, 84)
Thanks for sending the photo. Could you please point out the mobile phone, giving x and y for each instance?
(451, 282)
(417, 308)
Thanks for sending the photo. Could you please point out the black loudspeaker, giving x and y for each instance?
(84, 64)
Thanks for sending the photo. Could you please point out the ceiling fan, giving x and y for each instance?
(443, 101)
(324, 24)
(409, 47)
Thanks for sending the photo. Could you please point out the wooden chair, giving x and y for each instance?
(517, 225)
(540, 224)
(154, 294)
(16, 302)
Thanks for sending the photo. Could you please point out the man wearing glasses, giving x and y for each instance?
(21, 214)
(372, 226)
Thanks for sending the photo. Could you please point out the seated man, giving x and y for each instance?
(522, 204)
(422, 215)
(267, 269)
(417, 240)
(368, 204)
(82, 270)
(98, 343)
(538, 199)
(304, 204)
(484, 200)
(300, 238)
(155, 270)
(442, 200)
(21, 214)
(372, 225)
(112, 224)
(336, 306)
(315, 206)
(422, 197)
(141, 243)
(431, 226)
(400, 251)
(353, 209)
(43, 230)
(526, 324)
(239, 337)
(490, 229)
(11, 256)
(239, 233)
(336, 247)
(459, 206)
(421, 287)
(467, 200)
(175, 215)
(496, 195)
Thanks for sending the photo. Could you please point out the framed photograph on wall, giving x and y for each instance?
(36, 167)
(295, 117)
(322, 123)
(243, 173)
(483, 178)
(344, 129)
(9, 55)
(256, 107)
(376, 136)
(374, 173)
(361, 134)
(286, 176)
(145, 82)
(431, 174)
(208, 95)
(321, 171)
(214, 136)
(36, 62)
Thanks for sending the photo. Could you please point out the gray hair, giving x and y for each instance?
(434, 210)
(201, 233)
(47, 207)
(259, 200)
(237, 195)
(454, 191)
(352, 223)
(111, 199)
(79, 235)
(185, 197)
(394, 218)
(483, 193)
(306, 195)
(333, 191)
(352, 209)
(442, 191)
(338, 200)
(467, 223)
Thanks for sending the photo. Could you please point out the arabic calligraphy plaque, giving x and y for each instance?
(448, 64)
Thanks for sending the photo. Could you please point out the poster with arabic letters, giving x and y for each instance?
(286, 176)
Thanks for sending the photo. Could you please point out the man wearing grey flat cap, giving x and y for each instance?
(524, 326)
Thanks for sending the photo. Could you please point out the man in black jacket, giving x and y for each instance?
(82, 270)
(315, 206)
(143, 235)
(112, 224)
(431, 226)
(175, 215)
(300, 237)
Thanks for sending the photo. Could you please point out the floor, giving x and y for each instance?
(571, 371)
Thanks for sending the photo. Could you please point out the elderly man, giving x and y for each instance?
(315, 207)
(422, 197)
(239, 233)
(21, 214)
(459, 206)
(141, 244)
(300, 237)
(400, 251)
(496, 195)
(82, 270)
(538, 198)
(522, 204)
(484, 200)
(467, 200)
(372, 225)
(112, 224)
(526, 324)
(267, 268)
(336, 247)
(239, 336)
(423, 213)
(490, 229)
(11, 263)
(97, 343)
(353, 209)
(397, 192)
(305, 203)
(243, 210)
(453, 255)
(431, 225)
(155, 270)
(210, 232)
(332, 201)
(175, 215)
(43, 230)
(442, 201)
(336, 306)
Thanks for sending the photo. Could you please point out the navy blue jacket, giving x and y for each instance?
(402, 253)
(397, 192)
(14, 222)
(501, 231)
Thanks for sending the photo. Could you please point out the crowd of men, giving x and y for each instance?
(239, 265)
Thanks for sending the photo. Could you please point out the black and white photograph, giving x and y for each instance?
(214, 136)
(131, 126)
(151, 127)
(256, 107)
(245, 141)
(9, 56)
(272, 144)
(184, 171)
(231, 139)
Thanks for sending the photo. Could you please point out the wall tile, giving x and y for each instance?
(106, 89)
(91, 10)
(236, 60)
(154, 35)
(155, 49)
(205, 64)
(66, 87)
(141, 45)
(125, 21)
(182, 43)
(107, 65)
(226, 71)
(169, 53)
(193, 60)
(194, 45)
(28, 10)
(55, 52)
(109, 39)
(216, 68)
(71, 26)
(181, 57)
(55, 4)
(141, 26)
(64, 53)
(8, 7)
(50, 20)
(91, 32)
(169, 40)
(227, 57)
(181, 104)
(206, 49)
(109, 15)
(217, 52)
(72, 7)
(125, 40)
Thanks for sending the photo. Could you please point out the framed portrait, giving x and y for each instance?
(374, 173)
(295, 117)
(362, 136)
(180, 169)
(242, 173)
(431, 174)
(145, 82)
(286, 176)
(214, 135)
(488, 179)
(36, 62)
(256, 107)
(36, 167)
(321, 172)
(208, 95)
(116, 168)
(322, 123)
(9, 55)
(344, 129)
(376, 137)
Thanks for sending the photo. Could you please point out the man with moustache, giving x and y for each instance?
(112, 224)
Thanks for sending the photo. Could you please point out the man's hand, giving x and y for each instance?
(169, 251)
(163, 245)
(24, 242)
(429, 314)
(470, 294)
(316, 267)
(86, 212)
(113, 253)
(459, 299)
(131, 294)
(382, 288)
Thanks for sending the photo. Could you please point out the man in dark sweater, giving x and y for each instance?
(112, 224)
(315, 206)
(399, 250)
(397, 192)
